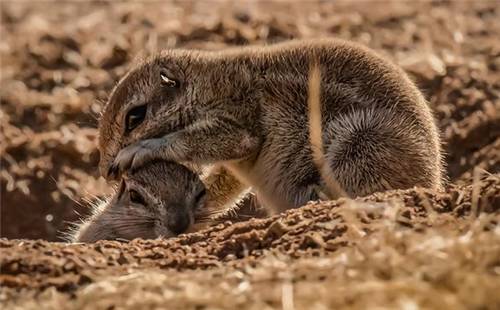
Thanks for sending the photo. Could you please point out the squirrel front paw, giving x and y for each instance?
(134, 156)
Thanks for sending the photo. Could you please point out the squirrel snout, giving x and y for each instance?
(179, 224)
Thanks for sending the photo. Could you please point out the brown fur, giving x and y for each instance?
(245, 109)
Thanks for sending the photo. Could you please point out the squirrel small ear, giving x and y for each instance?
(166, 81)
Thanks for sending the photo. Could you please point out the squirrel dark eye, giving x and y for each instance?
(137, 198)
(168, 81)
(135, 116)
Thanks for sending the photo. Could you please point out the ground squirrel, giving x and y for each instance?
(158, 200)
(245, 110)
(162, 199)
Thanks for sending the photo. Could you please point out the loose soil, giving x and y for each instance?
(411, 249)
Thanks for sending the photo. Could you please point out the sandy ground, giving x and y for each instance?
(412, 249)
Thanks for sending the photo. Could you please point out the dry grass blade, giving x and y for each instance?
(315, 134)
(476, 185)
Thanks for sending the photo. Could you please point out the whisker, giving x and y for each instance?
(126, 225)
(140, 220)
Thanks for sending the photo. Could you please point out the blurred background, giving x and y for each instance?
(59, 61)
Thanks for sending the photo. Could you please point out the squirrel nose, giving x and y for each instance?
(179, 224)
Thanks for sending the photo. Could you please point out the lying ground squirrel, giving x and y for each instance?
(158, 200)
(245, 110)
(162, 199)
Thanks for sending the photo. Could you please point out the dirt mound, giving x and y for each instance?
(383, 238)
(401, 249)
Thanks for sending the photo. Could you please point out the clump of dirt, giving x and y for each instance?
(401, 249)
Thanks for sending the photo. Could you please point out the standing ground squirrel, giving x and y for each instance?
(159, 200)
(245, 111)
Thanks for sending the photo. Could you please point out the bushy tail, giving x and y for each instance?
(333, 190)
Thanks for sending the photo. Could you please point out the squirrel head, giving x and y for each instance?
(147, 205)
(168, 92)
(151, 100)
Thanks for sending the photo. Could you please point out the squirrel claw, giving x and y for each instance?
(133, 157)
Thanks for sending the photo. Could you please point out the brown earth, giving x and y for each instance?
(405, 249)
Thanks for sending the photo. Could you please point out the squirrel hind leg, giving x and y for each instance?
(376, 150)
